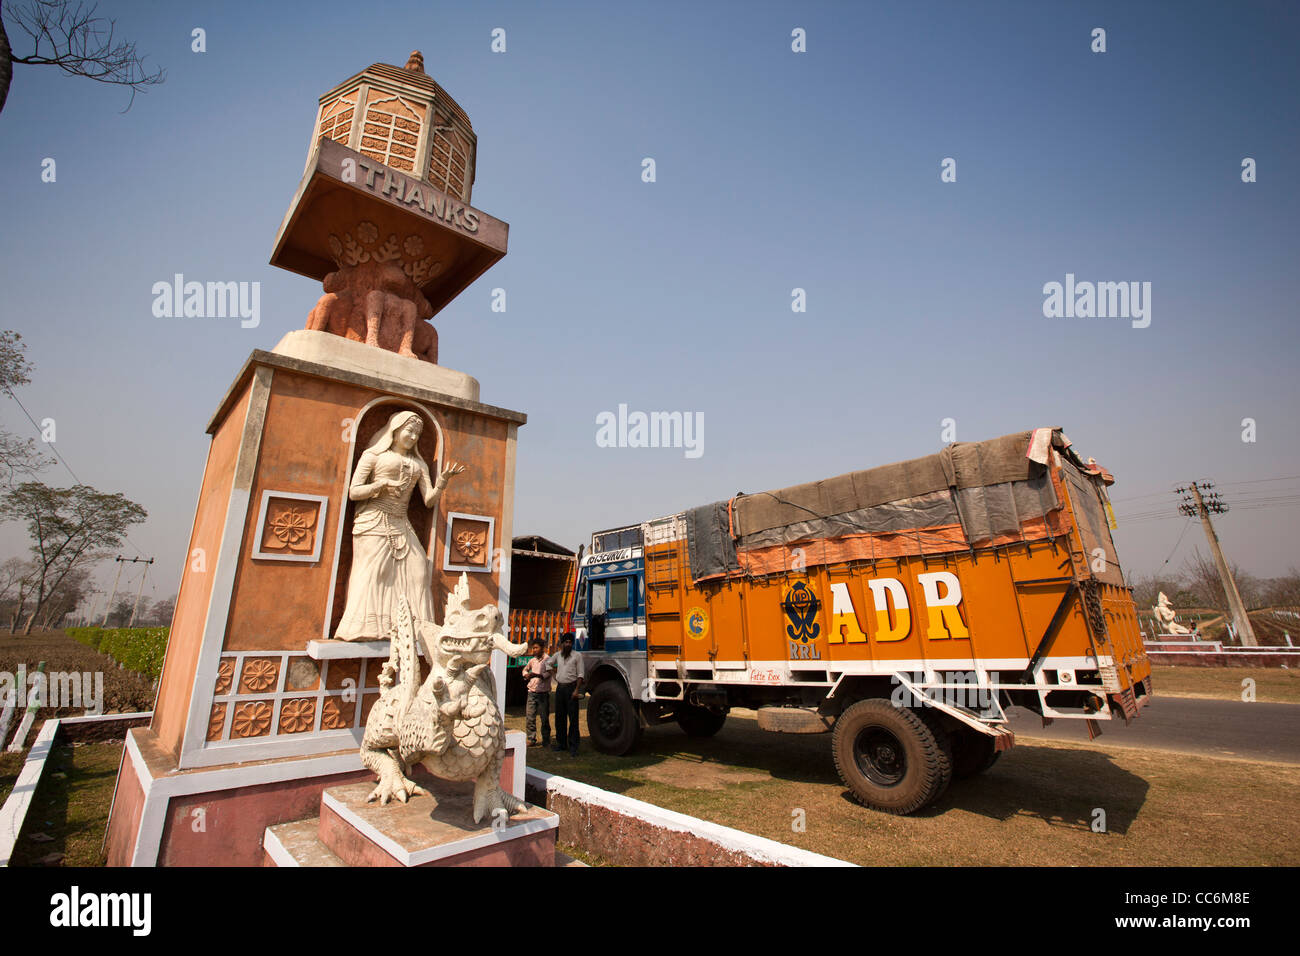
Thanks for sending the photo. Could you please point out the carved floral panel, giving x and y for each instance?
(290, 527)
(252, 718)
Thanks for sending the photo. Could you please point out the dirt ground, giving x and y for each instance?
(1044, 803)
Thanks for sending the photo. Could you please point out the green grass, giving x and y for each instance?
(10, 765)
(71, 806)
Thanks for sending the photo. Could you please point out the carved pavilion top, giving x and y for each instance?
(402, 118)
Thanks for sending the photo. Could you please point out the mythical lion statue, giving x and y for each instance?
(450, 723)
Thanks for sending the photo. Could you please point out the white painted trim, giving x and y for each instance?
(6, 718)
(435, 469)
(104, 718)
(243, 749)
(333, 650)
(223, 570)
(758, 848)
(15, 808)
(260, 527)
(159, 792)
(498, 658)
(517, 742)
(486, 567)
(276, 851)
(868, 668)
(24, 728)
(420, 857)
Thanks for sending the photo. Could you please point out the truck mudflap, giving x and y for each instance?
(1003, 737)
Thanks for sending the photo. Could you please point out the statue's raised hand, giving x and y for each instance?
(450, 472)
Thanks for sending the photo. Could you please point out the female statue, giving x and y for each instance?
(387, 558)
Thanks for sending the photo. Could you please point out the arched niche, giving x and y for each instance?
(432, 445)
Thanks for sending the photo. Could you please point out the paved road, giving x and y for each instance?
(1217, 728)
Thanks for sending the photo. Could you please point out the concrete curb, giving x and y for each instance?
(729, 842)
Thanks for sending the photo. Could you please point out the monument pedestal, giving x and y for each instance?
(437, 831)
(255, 692)
(261, 708)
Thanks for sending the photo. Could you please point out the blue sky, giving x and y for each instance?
(775, 170)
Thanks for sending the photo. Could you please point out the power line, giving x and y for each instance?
(61, 459)
(1177, 543)
(59, 456)
(1161, 494)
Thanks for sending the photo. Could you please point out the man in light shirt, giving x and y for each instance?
(537, 676)
(569, 674)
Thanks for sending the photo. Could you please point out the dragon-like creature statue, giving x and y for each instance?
(450, 722)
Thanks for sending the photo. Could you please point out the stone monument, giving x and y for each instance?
(1165, 614)
(313, 565)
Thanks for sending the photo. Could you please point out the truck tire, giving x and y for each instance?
(889, 757)
(972, 753)
(612, 722)
(699, 721)
(944, 739)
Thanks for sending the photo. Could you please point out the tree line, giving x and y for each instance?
(70, 529)
(1198, 585)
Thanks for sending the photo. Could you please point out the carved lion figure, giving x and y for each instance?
(377, 303)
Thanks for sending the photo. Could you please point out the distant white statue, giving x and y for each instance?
(1165, 615)
(388, 558)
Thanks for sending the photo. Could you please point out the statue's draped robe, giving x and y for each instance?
(388, 558)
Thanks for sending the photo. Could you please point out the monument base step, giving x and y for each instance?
(426, 831)
(297, 844)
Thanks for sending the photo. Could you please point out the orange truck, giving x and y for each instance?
(901, 609)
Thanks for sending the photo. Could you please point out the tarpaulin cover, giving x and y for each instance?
(970, 494)
(709, 543)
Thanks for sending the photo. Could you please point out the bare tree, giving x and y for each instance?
(72, 590)
(160, 614)
(69, 528)
(18, 456)
(1204, 581)
(16, 576)
(1284, 591)
(70, 36)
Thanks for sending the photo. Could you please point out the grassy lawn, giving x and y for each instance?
(1273, 685)
(71, 805)
(1035, 807)
(10, 764)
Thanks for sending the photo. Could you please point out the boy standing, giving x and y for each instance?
(538, 677)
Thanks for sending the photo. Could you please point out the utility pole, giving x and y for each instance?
(143, 574)
(109, 606)
(108, 609)
(1195, 504)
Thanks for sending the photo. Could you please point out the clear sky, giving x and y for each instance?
(775, 170)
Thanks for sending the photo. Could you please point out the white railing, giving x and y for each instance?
(1212, 647)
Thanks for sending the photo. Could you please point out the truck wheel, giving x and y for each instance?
(889, 757)
(612, 723)
(699, 721)
(972, 753)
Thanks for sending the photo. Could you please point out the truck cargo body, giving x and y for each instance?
(949, 588)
